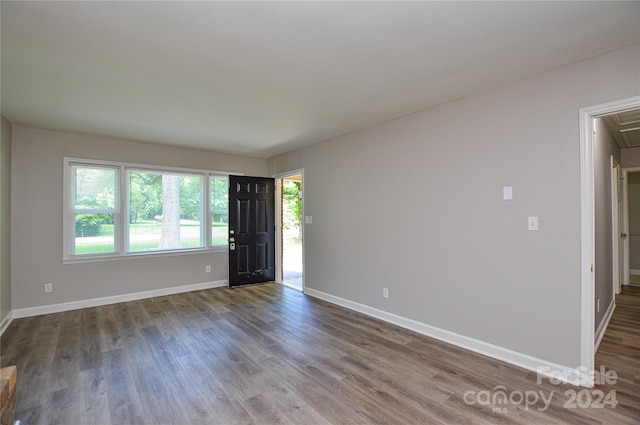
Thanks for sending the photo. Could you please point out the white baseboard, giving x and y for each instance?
(6, 322)
(95, 302)
(542, 367)
(634, 272)
(604, 323)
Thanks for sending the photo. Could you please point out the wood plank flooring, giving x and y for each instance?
(629, 296)
(271, 355)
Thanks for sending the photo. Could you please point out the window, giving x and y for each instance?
(94, 195)
(219, 191)
(165, 211)
(117, 209)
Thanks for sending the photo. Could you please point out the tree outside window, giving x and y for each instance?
(165, 211)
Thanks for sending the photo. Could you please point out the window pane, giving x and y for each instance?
(219, 210)
(191, 211)
(94, 234)
(95, 188)
(165, 211)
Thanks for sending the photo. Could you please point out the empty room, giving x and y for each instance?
(319, 212)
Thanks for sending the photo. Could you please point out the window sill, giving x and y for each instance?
(146, 255)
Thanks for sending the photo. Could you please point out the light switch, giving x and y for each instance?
(507, 193)
(308, 219)
(533, 224)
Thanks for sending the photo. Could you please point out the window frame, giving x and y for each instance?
(70, 186)
(122, 196)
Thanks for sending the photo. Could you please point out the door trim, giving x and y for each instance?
(625, 218)
(616, 175)
(278, 177)
(587, 231)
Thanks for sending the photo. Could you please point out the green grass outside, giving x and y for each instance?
(144, 227)
(107, 229)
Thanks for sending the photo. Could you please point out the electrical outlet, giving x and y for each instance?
(48, 287)
(207, 269)
(385, 293)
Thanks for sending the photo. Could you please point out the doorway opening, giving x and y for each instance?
(291, 231)
(622, 130)
(589, 306)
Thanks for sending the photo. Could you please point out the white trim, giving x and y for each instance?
(278, 223)
(138, 255)
(587, 290)
(587, 245)
(297, 172)
(625, 218)
(542, 367)
(277, 177)
(604, 323)
(615, 226)
(95, 302)
(624, 228)
(6, 322)
(625, 194)
(148, 167)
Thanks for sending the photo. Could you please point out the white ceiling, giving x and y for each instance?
(625, 128)
(262, 78)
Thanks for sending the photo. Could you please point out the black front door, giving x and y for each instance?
(251, 230)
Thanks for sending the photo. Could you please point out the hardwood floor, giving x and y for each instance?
(270, 354)
(629, 296)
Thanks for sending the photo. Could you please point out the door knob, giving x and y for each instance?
(623, 235)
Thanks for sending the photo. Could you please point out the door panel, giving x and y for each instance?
(242, 259)
(262, 217)
(242, 216)
(251, 230)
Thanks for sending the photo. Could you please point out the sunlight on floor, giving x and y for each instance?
(292, 259)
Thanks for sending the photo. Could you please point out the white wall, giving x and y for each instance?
(631, 157)
(415, 205)
(5, 221)
(604, 146)
(37, 197)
